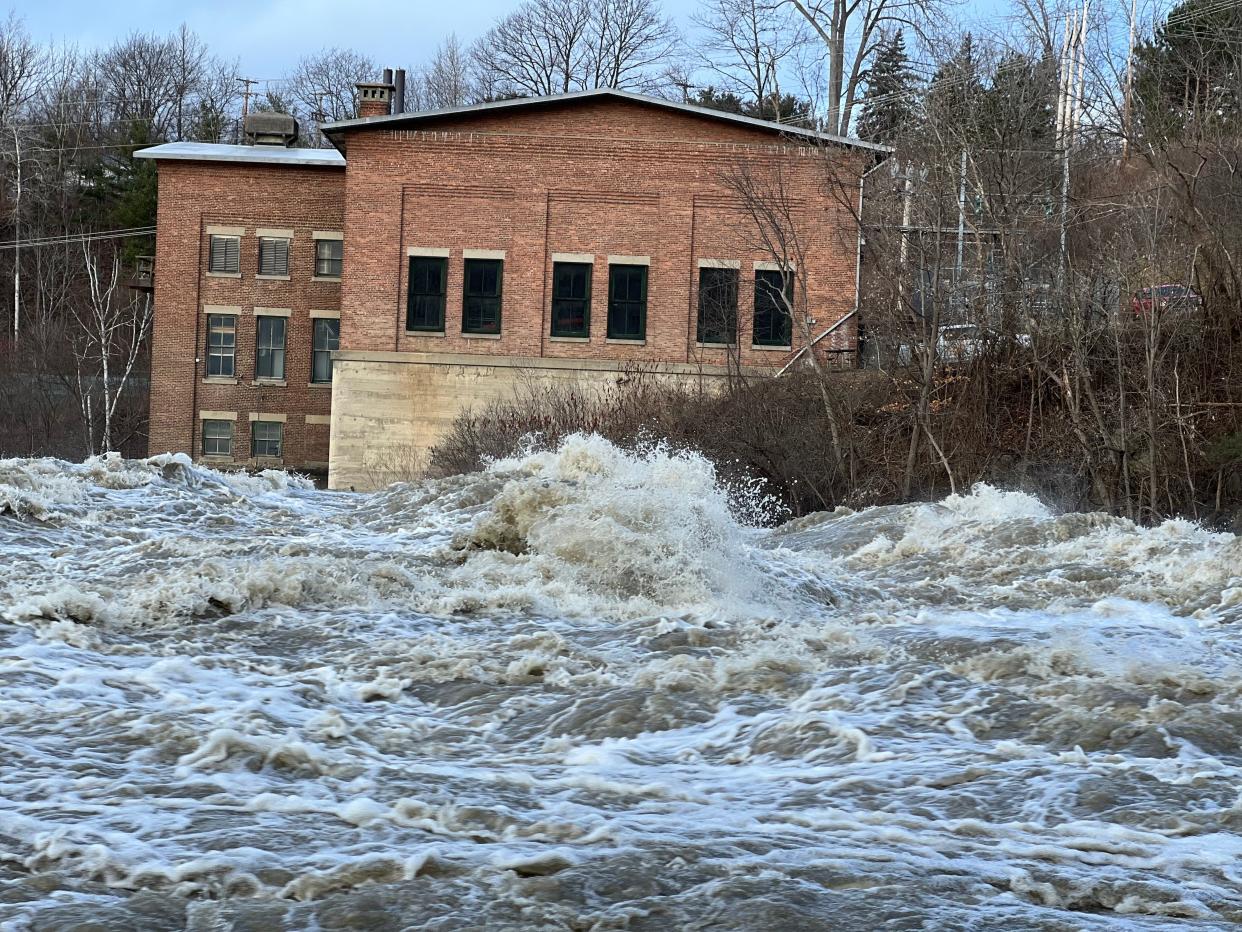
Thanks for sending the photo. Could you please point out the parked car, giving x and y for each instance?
(1165, 298)
(958, 343)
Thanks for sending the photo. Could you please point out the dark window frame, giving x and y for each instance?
(418, 301)
(208, 440)
(274, 271)
(225, 267)
(221, 350)
(726, 295)
(766, 333)
(627, 306)
(331, 327)
(266, 349)
(325, 264)
(569, 305)
(256, 440)
(481, 310)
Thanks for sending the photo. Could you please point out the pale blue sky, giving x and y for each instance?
(268, 36)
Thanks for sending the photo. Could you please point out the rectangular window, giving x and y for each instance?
(266, 438)
(224, 254)
(273, 256)
(221, 345)
(425, 295)
(718, 306)
(327, 337)
(773, 306)
(480, 311)
(328, 255)
(217, 438)
(571, 299)
(269, 362)
(627, 302)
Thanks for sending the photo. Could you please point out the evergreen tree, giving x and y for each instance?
(793, 111)
(1018, 108)
(888, 106)
(955, 96)
(718, 100)
(1190, 73)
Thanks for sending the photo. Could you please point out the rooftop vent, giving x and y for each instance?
(267, 128)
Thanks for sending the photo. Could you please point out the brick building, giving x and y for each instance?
(337, 308)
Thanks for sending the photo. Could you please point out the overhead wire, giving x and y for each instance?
(68, 238)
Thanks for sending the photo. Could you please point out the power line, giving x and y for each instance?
(65, 239)
(939, 83)
(115, 145)
(1206, 10)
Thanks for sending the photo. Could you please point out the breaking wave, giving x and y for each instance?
(588, 689)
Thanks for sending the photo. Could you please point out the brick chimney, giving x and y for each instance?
(374, 98)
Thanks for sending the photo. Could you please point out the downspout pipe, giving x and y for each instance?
(862, 183)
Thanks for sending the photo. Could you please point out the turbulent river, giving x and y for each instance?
(579, 691)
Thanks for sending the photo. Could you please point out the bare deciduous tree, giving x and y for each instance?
(109, 338)
(322, 88)
(446, 81)
(746, 43)
(850, 31)
(556, 46)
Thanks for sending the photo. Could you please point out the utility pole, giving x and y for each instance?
(17, 240)
(246, 82)
(903, 256)
(319, 116)
(961, 229)
(1127, 114)
(1072, 85)
(903, 259)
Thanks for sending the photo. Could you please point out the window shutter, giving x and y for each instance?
(273, 257)
(224, 254)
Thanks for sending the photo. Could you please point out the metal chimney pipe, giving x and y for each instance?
(398, 93)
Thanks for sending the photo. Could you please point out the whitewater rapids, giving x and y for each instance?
(579, 690)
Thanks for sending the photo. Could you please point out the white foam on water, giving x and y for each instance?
(584, 689)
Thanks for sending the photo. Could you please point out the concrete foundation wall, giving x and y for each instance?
(390, 409)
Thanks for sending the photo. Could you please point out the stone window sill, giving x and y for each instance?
(326, 278)
(273, 383)
(424, 333)
(556, 339)
(222, 274)
(716, 345)
(272, 278)
(217, 458)
(481, 336)
(268, 461)
(318, 384)
(770, 349)
(620, 342)
(220, 380)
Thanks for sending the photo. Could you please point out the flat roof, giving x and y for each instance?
(398, 120)
(260, 155)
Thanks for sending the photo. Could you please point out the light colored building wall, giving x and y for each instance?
(390, 409)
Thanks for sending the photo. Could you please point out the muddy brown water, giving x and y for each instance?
(581, 691)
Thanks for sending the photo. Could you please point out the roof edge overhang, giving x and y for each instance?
(247, 155)
(336, 131)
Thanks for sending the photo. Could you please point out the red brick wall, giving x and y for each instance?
(600, 177)
(193, 196)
